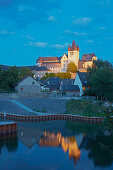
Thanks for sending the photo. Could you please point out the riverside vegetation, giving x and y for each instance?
(85, 107)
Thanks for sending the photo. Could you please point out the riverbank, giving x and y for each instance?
(88, 108)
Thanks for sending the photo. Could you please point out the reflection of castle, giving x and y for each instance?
(67, 144)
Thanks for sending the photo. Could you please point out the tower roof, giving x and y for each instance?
(77, 47)
(69, 48)
(73, 44)
(74, 47)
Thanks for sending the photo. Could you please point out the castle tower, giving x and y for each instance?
(73, 53)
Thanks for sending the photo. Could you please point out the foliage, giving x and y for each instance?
(85, 108)
(100, 80)
(100, 150)
(88, 129)
(24, 72)
(9, 78)
(71, 68)
(60, 75)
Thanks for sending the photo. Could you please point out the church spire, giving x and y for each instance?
(74, 45)
(69, 48)
(77, 47)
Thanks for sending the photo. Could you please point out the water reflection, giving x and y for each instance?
(67, 144)
(9, 142)
(61, 144)
(29, 135)
(98, 141)
(100, 150)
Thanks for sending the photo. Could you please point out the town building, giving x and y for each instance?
(59, 64)
(67, 86)
(28, 86)
(39, 71)
(81, 81)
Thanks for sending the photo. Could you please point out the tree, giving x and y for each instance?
(71, 68)
(1, 78)
(100, 80)
(100, 64)
(9, 78)
(24, 72)
(60, 75)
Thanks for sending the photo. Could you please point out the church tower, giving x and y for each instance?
(73, 53)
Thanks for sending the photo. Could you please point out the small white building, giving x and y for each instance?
(28, 86)
(81, 81)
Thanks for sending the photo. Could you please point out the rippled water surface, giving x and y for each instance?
(57, 145)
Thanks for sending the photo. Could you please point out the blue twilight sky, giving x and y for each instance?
(33, 28)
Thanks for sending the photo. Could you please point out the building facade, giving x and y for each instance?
(59, 64)
(28, 86)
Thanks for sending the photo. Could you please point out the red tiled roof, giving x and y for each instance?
(88, 57)
(49, 59)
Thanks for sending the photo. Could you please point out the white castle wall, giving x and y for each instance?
(73, 56)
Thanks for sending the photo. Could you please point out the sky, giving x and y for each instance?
(33, 28)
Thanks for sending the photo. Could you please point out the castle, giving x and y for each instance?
(59, 64)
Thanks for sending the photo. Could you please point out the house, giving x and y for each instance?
(28, 86)
(81, 81)
(53, 83)
(37, 71)
(67, 86)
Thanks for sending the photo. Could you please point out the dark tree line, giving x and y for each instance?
(9, 77)
(100, 80)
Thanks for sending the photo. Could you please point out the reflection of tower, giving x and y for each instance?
(74, 152)
(73, 53)
(67, 143)
(71, 145)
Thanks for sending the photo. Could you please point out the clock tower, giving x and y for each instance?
(73, 53)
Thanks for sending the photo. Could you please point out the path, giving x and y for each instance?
(9, 107)
(26, 108)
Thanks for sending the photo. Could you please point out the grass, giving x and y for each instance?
(85, 107)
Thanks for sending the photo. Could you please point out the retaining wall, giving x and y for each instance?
(75, 118)
(8, 127)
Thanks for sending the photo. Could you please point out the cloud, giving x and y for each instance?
(24, 8)
(75, 33)
(28, 37)
(4, 32)
(51, 18)
(82, 21)
(25, 12)
(89, 41)
(59, 46)
(37, 44)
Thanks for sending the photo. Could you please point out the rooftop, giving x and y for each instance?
(83, 77)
